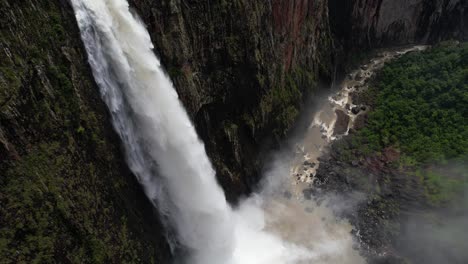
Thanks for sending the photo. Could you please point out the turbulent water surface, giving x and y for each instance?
(166, 155)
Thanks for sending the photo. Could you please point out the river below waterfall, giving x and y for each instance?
(337, 114)
(304, 221)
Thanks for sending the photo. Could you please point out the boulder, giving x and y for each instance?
(356, 110)
(342, 121)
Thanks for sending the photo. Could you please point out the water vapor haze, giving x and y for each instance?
(434, 236)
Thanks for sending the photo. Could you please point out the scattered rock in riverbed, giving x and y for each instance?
(343, 171)
(342, 121)
(356, 110)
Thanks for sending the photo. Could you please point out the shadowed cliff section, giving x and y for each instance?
(242, 69)
(66, 195)
(361, 24)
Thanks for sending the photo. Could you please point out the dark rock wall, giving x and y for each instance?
(66, 195)
(379, 23)
(242, 69)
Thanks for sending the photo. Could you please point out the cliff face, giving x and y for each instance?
(377, 23)
(66, 195)
(242, 69)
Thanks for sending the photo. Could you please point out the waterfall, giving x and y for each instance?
(165, 154)
(162, 147)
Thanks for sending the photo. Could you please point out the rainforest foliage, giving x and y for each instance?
(419, 107)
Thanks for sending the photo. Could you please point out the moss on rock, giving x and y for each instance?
(66, 195)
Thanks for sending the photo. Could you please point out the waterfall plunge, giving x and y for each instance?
(156, 132)
(164, 151)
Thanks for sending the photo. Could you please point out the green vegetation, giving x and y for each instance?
(444, 182)
(64, 195)
(281, 103)
(420, 108)
(422, 105)
(40, 196)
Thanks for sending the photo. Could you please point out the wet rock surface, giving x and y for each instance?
(342, 122)
(337, 117)
(389, 196)
(380, 194)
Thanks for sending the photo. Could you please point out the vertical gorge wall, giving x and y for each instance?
(243, 69)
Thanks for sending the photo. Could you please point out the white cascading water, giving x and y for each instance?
(166, 155)
(156, 132)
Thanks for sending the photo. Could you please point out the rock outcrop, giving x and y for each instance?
(342, 123)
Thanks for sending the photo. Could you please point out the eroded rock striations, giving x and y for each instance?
(242, 69)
